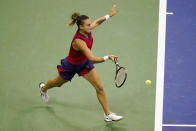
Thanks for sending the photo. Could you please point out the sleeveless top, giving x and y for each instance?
(77, 57)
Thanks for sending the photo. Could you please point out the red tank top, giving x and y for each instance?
(77, 57)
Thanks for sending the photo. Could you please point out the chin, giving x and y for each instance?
(87, 31)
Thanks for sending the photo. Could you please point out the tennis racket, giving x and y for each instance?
(121, 74)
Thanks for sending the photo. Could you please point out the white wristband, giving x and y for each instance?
(106, 58)
(107, 17)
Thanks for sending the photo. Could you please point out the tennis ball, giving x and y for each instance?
(148, 82)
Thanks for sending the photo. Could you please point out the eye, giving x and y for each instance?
(89, 24)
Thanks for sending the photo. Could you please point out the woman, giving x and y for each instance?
(80, 60)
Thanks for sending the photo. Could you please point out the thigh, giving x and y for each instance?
(59, 80)
(93, 78)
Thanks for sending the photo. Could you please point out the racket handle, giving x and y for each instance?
(115, 61)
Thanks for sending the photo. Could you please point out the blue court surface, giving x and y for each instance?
(179, 79)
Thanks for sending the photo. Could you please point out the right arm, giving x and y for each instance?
(80, 45)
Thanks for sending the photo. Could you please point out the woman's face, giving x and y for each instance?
(86, 26)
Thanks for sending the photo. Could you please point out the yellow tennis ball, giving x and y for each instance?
(148, 82)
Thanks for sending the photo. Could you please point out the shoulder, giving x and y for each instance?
(78, 43)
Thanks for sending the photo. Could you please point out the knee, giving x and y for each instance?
(99, 89)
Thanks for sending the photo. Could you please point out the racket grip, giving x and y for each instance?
(115, 61)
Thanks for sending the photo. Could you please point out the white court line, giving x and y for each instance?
(160, 66)
(179, 125)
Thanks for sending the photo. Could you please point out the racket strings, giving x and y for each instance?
(121, 74)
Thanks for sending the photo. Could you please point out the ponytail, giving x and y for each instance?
(74, 18)
(78, 19)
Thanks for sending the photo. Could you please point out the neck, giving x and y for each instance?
(84, 33)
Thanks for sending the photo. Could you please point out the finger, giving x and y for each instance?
(113, 59)
(114, 6)
(116, 59)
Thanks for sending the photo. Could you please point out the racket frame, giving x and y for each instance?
(118, 68)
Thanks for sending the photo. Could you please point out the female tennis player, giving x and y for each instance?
(80, 60)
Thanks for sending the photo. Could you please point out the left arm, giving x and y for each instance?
(99, 21)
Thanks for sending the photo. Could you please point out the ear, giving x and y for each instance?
(81, 26)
